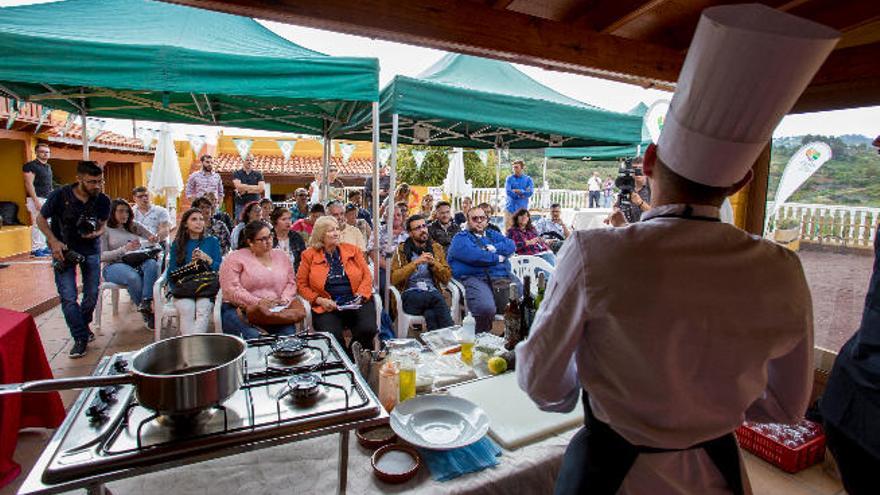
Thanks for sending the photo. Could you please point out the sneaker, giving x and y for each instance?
(78, 350)
(91, 336)
(149, 320)
(42, 253)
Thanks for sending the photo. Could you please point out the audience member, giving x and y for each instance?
(351, 218)
(315, 188)
(553, 229)
(335, 186)
(255, 275)
(347, 233)
(594, 187)
(250, 213)
(191, 243)
(213, 226)
(285, 239)
(355, 198)
(490, 213)
(526, 238)
(388, 246)
(248, 183)
(478, 257)
(607, 192)
(268, 207)
(219, 214)
(335, 279)
(123, 235)
(443, 229)
(301, 208)
(37, 186)
(204, 180)
(519, 188)
(461, 216)
(78, 214)
(427, 207)
(305, 225)
(154, 217)
(384, 188)
(419, 270)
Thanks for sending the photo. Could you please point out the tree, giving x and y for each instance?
(436, 164)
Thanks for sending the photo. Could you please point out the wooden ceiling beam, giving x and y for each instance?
(850, 78)
(477, 29)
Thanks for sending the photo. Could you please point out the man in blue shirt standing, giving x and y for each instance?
(519, 188)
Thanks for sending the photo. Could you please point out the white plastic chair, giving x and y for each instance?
(462, 305)
(531, 266)
(405, 320)
(99, 306)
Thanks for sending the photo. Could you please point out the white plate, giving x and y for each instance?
(439, 422)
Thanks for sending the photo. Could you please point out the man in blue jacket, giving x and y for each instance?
(519, 188)
(479, 258)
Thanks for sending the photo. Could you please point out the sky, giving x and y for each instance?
(402, 59)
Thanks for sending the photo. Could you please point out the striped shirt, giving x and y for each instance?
(200, 183)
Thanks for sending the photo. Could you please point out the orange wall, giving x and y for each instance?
(13, 154)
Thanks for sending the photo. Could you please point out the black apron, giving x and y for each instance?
(598, 458)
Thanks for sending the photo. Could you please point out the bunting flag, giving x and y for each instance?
(197, 142)
(243, 146)
(94, 128)
(655, 117)
(483, 155)
(67, 124)
(384, 156)
(419, 156)
(800, 167)
(286, 146)
(346, 149)
(146, 136)
(43, 114)
(14, 106)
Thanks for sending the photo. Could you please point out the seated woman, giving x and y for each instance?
(334, 275)
(526, 238)
(121, 236)
(192, 242)
(255, 275)
(250, 213)
(285, 239)
(213, 226)
(305, 225)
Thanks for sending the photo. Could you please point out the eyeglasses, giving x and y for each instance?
(419, 227)
(94, 182)
(142, 196)
(302, 195)
(265, 238)
(479, 218)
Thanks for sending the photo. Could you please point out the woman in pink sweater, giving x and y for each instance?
(255, 275)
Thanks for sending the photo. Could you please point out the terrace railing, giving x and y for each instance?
(854, 226)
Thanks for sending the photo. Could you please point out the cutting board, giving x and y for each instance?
(514, 420)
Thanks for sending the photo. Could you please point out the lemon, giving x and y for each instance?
(497, 365)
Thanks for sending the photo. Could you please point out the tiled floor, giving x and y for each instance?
(27, 285)
(126, 332)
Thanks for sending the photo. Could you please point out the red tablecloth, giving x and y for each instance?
(22, 359)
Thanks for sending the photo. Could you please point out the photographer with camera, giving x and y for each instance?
(78, 213)
(635, 194)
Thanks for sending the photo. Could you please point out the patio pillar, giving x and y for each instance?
(395, 120)
(375, 194)
(325, 165)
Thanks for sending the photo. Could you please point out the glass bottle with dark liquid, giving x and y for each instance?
(512, 325)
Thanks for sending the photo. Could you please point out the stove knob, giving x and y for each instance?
(121, 366)
(107, 394)
(97, 413)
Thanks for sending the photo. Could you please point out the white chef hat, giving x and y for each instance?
(745, 68)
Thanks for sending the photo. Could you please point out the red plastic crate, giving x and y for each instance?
(782, 456)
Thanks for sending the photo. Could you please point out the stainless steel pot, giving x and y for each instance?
(180, 375)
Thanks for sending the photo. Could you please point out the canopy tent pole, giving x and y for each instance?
(85, 133)
(325, 166)
(375, 194)
(544, 172)
(497, 204)
(392, 186)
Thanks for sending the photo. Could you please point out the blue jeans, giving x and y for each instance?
(138, 282)
(78, 315)
(233, 324)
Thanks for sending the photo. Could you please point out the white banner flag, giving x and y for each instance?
(14, 106)
(347, 149)
(243, 146)
(384, 155)
(419, 156)
(94, 128)
(146, 136)
(286, 146)
(44, 113)
(67, 124)
(483, 155)
(196, 143)
(800, 167)
(655, 117)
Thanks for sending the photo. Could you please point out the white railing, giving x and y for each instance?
(828, 224)
(566, 198)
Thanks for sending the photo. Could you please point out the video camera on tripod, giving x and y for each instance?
(626, 182)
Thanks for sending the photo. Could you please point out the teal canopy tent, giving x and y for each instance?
(598, 153)
(146, 60)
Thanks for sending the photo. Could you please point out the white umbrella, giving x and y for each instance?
(455, 184)
(165, 178)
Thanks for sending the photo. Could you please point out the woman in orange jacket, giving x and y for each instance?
(335, 278)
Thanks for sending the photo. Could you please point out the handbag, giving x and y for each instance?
(194, 280)
(134, 259)
(260, 316)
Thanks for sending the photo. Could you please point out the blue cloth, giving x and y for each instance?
(209, 245)
(79, 315)
(448, 464)
(63, 209)
(468, 255)
(516, 201)
(138, 281)
(386, 330)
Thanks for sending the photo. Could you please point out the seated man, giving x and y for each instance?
(553, 229)
(490, 212)
(478, 258)
(418, 270)
(443, 229)
(348, 234)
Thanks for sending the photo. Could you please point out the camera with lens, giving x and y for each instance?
(626, 182)
(86, 225)
(71, 258)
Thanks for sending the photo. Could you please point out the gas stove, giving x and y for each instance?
(294, 388)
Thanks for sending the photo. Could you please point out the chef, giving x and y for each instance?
(680, 326)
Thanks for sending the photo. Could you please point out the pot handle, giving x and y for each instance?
(65, 383)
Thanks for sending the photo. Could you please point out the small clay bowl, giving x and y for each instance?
(382, 471)
(373, 437)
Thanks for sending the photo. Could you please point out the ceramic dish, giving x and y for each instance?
(439, 422)
(374, 437)
(395, 463)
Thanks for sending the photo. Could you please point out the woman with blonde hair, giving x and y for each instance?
(335, 279)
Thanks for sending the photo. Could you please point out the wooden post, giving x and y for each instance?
(756, 194)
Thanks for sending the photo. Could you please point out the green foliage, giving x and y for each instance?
(436, 164)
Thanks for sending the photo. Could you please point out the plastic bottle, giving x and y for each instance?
(389, 384)
(468, 336)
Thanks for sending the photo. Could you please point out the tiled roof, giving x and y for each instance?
(106, 139)
(297, 165)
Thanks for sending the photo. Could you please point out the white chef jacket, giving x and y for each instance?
(677, 328)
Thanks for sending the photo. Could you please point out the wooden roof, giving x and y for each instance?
(637, 41)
